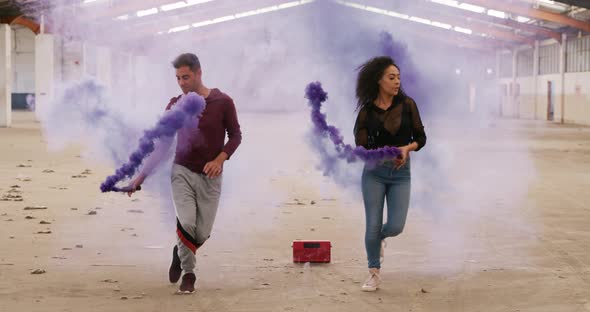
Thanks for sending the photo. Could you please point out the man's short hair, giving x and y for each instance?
(187, 59)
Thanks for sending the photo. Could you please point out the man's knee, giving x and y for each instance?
(187, 228)
(200, 239)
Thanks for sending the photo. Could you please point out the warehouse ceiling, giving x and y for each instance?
(471, 24)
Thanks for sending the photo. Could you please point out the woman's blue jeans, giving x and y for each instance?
(378, 183)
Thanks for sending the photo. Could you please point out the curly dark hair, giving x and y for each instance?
(367, 83)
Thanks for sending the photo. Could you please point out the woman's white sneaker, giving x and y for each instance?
(373, 282)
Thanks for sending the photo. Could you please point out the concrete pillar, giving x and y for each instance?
(104, 66)
(562, 63)
(5, 76)
(472, 97)
(498, 60)
(88, 60)
(44, 69)
(498, 83)
(513, 99)
(140, 77)
(536, 75)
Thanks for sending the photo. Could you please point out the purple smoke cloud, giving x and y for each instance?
(316, 96)
(413, 82)
(181, 115)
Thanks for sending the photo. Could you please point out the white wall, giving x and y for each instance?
(532, 103)
(505, 98)
(569, 91)
(577, 98)
(542, 95)
(23, 60)
(525, 100)
(77, 59)
(5, 79)
(62, 61)
(45, 69)
(71, 61)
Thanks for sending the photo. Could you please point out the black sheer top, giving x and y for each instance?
(399, 125)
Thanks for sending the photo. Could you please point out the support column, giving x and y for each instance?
(499, 84)
(498, 60)
(140, 77)
(5, 76)
(513, 102)
(536, 75)
(103, 66)
(562, 63)
(44, 70)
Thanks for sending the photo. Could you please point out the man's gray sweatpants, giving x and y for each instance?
(196, 198)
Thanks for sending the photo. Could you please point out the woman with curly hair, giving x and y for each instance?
(387, 117)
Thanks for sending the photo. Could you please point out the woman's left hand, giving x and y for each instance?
(403, 158)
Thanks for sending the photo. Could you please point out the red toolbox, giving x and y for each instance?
(317, 251)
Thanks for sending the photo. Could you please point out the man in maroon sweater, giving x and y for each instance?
(197, 168)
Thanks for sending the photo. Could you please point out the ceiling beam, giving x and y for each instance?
(455, 41)
(130, 7)
(480, 27)
(98, 11)
(469, 16)
(578, 3)
(449, 38)
(474, 25)
(537, 30)
(457, 38)
(532, 13)
(236, 28)
(150, 25)
(23, 21)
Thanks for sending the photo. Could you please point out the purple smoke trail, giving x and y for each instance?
(316, 96)
(182, 114)
(413, 81)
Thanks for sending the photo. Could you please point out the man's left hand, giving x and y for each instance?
(213, 168)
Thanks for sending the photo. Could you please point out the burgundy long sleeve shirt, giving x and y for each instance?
(196, 147)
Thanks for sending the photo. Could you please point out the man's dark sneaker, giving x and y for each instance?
(175, 270)
(188, 284)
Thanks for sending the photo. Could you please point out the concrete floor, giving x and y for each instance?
(511, 234)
